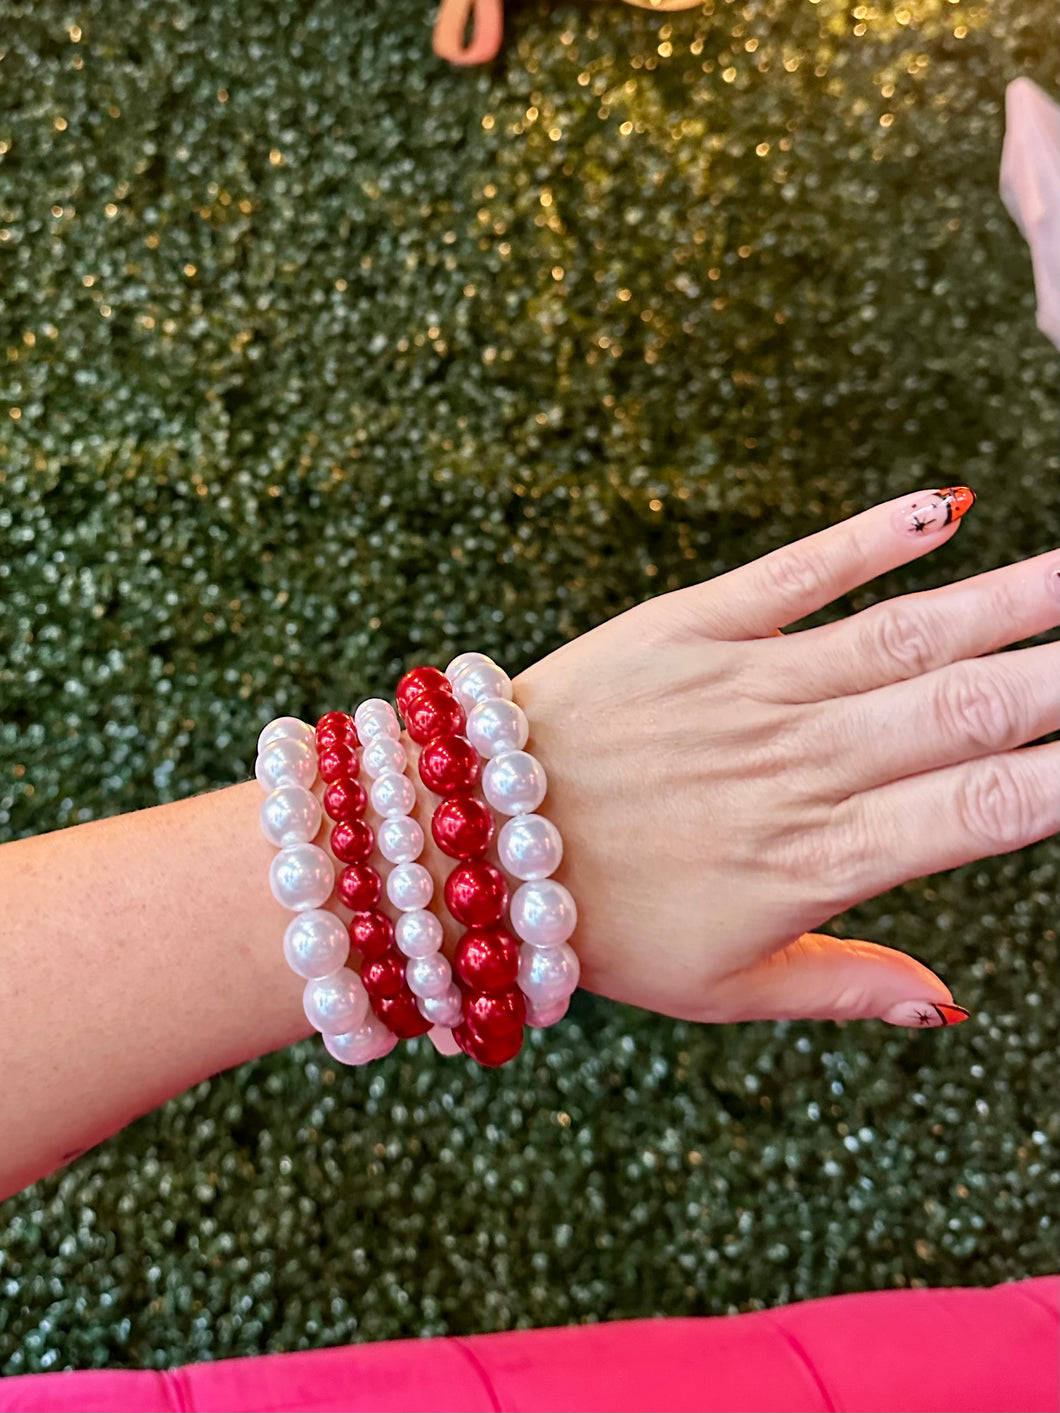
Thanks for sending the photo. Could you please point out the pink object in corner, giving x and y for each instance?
(1030, 189)
(908, 1351)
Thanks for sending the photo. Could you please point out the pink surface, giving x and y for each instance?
(919, 1351)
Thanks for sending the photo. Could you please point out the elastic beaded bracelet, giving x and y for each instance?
(301, 877)
(542, 912)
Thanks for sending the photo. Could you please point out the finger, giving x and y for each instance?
(967, 710)
(829, 978)
(758, 598)
(451, 25)
(907, 636)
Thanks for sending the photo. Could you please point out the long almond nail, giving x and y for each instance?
(932, 511)
(925, 1015)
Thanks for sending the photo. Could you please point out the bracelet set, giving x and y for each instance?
(513, 965)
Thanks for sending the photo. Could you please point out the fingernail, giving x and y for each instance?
(931, 511)
(925, 1015)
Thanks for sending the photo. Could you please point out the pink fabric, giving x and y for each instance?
(918, 1351)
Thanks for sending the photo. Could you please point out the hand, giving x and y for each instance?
(721, 788)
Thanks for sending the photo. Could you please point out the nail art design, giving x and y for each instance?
(934, 510)
(925, 1015)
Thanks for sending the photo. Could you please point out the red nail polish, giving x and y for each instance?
(951, 1015)
(959, 500)
(931, 511)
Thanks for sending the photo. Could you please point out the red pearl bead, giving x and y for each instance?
(462, 827)
(488, 1052)
(336, 728)
(492, 1016)
(487, 959)
(384, 976)
(433, 713)
(476, 894)
(401, 1014)
(345, 799)
(359, 887)
(449, 765)
(338, 762)
(352, 841)
(417, 680)
(372, 933)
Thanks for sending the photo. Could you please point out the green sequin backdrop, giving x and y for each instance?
(321, 357)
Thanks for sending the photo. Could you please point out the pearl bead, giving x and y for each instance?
(315, 944)
(530, 847)
(480, 681)
(416, 681)
(286, 728)
(463, 661)
(476, 894)
(514, 783)
(383, 756)
(290, 815)
(393, 794)
(542, 1016)
(352, 841)
(409, 887)
(400, 839)
(543, 913)
(338, 762)
(433, 713)
(401, 1014)
(547, 977)
(496, 726)
(384, 976)
(286, 762)
(372, 707)
(449, 765)
(337, 1003)
(489, 1016)
(462, 827)
(487, 959)
(418, 933)
(345, 799)
(359, 887)
(376, 726)
(489, 1052)
(301, 876)
(446, 1009)
(429, 976)
(370, 1041)
(372, 933)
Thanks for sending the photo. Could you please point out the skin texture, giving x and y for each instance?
(720, 790)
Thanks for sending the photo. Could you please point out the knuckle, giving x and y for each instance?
(973, 707)
(899, 640)
(995, 806)
(831, 863)
(800, 575)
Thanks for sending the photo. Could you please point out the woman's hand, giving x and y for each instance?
(721, 788)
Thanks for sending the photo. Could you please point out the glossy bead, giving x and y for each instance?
(286, 728)
(487, 959)
(290, 815)
(335, 1004)
(428, 976)
(446, 1009)
(301, 876)
(449, 765)
(479, 682)
(401, 1014)
(433, 713)
(462, 827)
(352, 841)
(383, 756)
(372, 708)
(315, 944)
(345, 799)
(476, 894)
(418, 934)
(338, 762)
(410, 887)
(530, 847)
(336, 728)
(514, 783)
(540, 1017)
(372, 933)
(463, 661)
(488, 1052)
(393, 794)
(359, 887)
(543, 913)
(382, 724)
(286, 762)
(495, 1013)
(496, 726)
(417, 680)
(370, 1041)
(384, 976)
(548, 975)
(400, 839)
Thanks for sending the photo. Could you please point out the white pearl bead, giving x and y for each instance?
(429, 976)
(446, 1009)
(301, 876)
(315, 944)
(400, 839)
(481, 681)
(530, 847)
(371, 707)
(290, 815)
(543, 913)
(335, 1004)
(496, 726)
(286, 728)
(286, 762)
(392, 795)
(383, 756)
(370, 1041)
(541, 1016)
(548, 976)
(409, 887)
(514, 783)
(418, 933)
(372, 727)
(463, 661)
